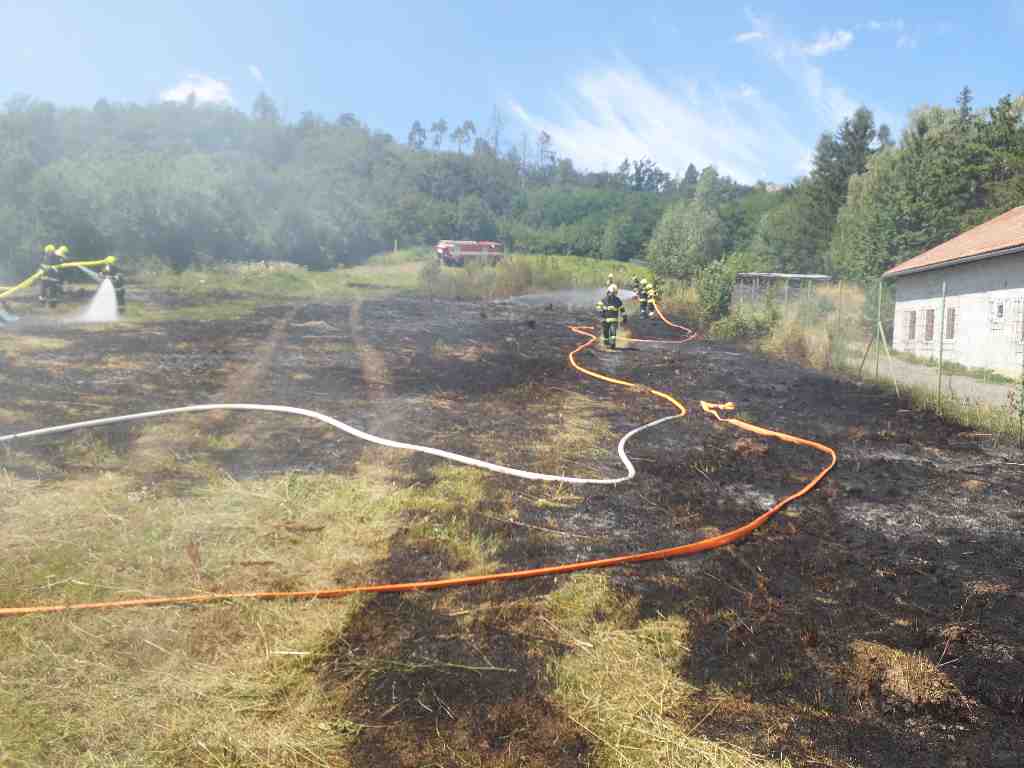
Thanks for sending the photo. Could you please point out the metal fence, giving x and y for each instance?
(848, 328)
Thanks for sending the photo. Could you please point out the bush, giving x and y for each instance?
(791, 340)
(745, 324)
(512, 277)
(680, 300)
(714, 290)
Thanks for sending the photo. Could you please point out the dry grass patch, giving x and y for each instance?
(8, 416)
(17, 343)
(225, 684)
(621, 683)
(470, 353)
(903, 681)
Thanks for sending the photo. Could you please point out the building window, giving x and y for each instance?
(1018, 320)
(911, 324)
(996, 313)
(929, 324)
(950, 322)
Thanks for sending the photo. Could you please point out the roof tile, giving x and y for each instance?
(1004, 231)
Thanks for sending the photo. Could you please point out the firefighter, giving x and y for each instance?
(611, 310)
(646, 295)
(51, 284)
(647, 303)
(114, 275)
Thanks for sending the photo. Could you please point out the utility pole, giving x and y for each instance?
(1020, 399)
(878, 329)
(841, 361)
(942, 338)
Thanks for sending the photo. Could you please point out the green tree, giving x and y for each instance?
(788, 237)
(475, 221)
(687, 237)
(417, 135)
(440, 129)
(709, 187)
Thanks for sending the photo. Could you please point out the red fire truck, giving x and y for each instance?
(454, 253)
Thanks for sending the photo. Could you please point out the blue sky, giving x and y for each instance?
(747, 87)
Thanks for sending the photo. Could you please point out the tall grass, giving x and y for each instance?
(822, 328)
(403, 256)
(830, 329)
(522, 273)
(387, 272)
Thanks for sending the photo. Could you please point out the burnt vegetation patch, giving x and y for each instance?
(876, 621)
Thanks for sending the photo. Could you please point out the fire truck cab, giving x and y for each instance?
(454, 253)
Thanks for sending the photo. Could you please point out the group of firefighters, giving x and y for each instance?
(613, 311)
(51, 283)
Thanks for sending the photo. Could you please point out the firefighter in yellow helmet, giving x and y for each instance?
(646, 296)
(612, 310)
(51, 284)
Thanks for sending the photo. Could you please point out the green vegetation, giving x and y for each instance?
(866, 205)
(185, 185)
(830, 329)
(980, 374)
(522, 273)
(388, 272)
(194, 186)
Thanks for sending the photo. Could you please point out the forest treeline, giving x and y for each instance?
(191, 185)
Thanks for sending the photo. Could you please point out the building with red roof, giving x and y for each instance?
(980, 324)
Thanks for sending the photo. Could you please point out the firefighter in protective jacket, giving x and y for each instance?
(51, 284)
(646, 296)
(612, 311)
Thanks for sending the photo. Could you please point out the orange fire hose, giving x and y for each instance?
(711, 542)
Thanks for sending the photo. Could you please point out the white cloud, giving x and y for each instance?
(889, 24)
(746, 37)
(828, 43)
(747, 91)
(256, 73)
(617, 112)
(906, 41)
(830, 102)
(205, 88)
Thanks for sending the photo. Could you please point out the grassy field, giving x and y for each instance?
(94, 517)
(410, 270)
(723, 662)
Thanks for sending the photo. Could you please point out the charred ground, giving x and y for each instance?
(878, 621)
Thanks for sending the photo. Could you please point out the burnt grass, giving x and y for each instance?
(914, 541)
